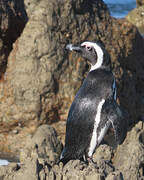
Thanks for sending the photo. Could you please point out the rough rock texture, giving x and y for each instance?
(12, 21)
(41, 79)
(115, 176)
(129, 157)
(126, 162)
(136, 17)
(45, 143)
(139, 3)
(40, 154)
(30, 6)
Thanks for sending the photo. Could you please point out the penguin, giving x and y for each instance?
(94, 109)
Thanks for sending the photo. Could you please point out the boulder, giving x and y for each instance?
(43, 144)
(115, 176)
(13, 18)
(129, 156)
(139, 3)
(136, 17)
(41, 79)
(39, 159)
(41, 152)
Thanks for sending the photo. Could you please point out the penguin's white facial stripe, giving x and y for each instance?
(94, 139)
(99, 52)
(99, 57)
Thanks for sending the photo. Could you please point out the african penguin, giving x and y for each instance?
(94, 108)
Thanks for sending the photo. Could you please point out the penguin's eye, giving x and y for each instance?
(88, 48)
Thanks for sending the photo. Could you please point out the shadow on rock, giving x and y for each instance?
(12, 22)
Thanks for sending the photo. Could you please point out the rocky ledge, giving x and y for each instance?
(42, 150)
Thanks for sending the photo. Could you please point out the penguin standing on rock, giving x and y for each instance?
(94, 108)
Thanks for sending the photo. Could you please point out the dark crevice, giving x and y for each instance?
(141, 170)
(16, 21)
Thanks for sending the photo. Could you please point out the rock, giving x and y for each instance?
(43, 144)
(41, 79)
(41, 151)
(60, 128)
(38, 168)
(30, 6)
(36, 161)
(139, 3)
(5, 171)
(136, 17)
(27, 171)
(75, 169)
(94, 177)
(125, 163)
(115, 176)
(34, 170)
(129, 156)
(12, 21)
(103, 152)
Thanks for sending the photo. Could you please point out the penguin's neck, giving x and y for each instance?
(94, 68)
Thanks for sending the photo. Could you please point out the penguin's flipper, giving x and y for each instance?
(117, 129)
(118, 122)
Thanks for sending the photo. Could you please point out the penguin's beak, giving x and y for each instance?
(72, 47)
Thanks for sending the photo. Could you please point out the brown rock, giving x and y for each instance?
(36, 162)
(12, 21)
(139, 3)
(115, 176)
(41, 79)
(94, 177)
(30, 6)
(127, 162)
(129, 156)
(136, 17)
(44, 144)
(6, 171)
(38, 168)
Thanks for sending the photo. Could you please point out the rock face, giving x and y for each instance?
(12, 21)
(139, 3)
(129, 156)
(41, 79)
(45, 143)
(136, 17)
(38, 160)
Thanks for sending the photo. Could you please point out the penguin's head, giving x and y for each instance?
(94, 53)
